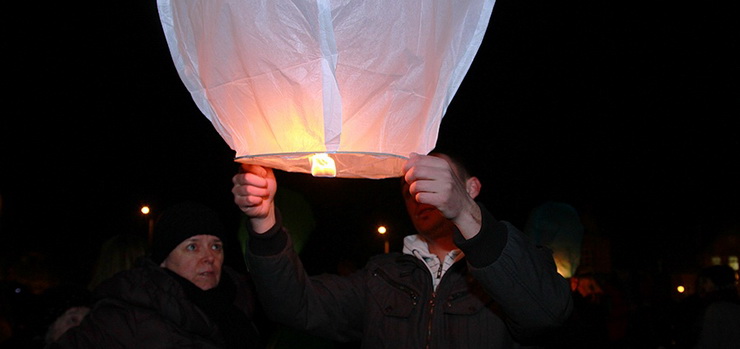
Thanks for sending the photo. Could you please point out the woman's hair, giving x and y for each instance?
(118, 253)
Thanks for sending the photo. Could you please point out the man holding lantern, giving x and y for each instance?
(466, 280)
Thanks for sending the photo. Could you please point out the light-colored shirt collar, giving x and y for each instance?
(416, 246)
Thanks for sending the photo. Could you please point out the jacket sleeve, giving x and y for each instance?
(328, 306)
(521, 277)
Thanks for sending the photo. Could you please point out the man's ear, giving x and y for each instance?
(473, 186)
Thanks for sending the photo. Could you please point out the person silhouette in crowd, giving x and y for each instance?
(720, 321)
(118, 253)
(30, 294)
(181, 296)
(465, 280)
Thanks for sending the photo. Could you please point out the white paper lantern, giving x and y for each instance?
(361, 83)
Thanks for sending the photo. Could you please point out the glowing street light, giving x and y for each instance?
(146, 211)
(382, 231)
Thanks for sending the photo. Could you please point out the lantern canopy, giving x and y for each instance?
(360, 83)
(558, 226)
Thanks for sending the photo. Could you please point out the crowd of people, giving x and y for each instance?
(463, 279)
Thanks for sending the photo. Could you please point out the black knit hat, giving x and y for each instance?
(180, 222)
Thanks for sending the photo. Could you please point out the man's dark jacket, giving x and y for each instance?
(504, 294)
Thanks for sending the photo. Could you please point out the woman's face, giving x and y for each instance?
(198, 259)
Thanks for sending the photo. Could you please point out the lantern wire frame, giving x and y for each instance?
(348, 164)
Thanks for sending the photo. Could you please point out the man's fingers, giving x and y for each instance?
(250, 179)
(413, 157)
(428, 198)
(254, 169)
(247, 201)
(420, 167)
(250, 190)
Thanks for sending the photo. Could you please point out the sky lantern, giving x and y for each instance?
(558, 226)
(332, 88)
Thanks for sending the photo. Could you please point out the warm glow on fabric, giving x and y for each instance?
(367, 82)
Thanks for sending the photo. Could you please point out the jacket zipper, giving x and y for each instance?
(432, 304)
(415, 298)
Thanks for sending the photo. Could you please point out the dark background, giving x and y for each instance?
(627, 111)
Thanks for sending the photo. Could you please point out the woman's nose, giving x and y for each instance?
(209, 256)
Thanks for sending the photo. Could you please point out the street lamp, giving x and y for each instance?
(146, 211)
(382, 231)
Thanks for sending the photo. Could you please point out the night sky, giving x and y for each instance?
(629, 113)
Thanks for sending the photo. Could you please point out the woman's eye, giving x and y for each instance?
(216, 247)
(190, 247)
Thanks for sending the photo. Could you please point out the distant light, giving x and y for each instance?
(733, 262)
(381, 230)
(145, 209)
(680, 289)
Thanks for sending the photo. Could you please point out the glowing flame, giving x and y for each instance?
(322, 165)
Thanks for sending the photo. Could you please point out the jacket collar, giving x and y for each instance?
(416, 246)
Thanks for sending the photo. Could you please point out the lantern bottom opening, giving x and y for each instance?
(348, 164)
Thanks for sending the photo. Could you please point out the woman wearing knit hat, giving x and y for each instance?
(180, 296)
